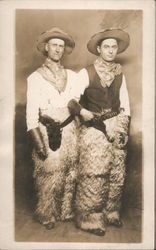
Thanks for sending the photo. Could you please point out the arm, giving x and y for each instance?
(38, 142)
(32, 106)
(74, 107)
(123, 119)
(124, 99)
(32, 116)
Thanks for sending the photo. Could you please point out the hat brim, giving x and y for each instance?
(46, 36)
(121, 36)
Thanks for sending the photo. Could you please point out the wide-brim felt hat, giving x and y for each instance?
(121, 36)
(55, 33)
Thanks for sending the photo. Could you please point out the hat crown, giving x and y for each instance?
(112, 30)
(55, 30)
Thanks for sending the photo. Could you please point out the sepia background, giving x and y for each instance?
(81, 24)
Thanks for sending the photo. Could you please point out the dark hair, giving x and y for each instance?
(99, 43)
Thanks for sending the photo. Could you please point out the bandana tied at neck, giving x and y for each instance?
(55, 74)
(106, 71)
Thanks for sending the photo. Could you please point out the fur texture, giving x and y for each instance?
(55, 177)
(101, 175)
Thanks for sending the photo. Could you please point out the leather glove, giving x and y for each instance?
(121, 140)
(38, 142)
(74, 107)
(122, 131)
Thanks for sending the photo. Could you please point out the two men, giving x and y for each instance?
(98, 148)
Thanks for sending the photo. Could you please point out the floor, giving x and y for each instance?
(28, 230)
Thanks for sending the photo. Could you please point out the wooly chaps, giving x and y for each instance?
(101, 174)
(55, 178)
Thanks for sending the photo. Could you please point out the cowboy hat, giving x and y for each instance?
(55, 33)
(121, 36)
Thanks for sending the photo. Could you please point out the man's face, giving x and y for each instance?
(55, 49)
(108, 49)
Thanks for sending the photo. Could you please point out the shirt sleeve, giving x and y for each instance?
(82, 83)
(124, 98)
(32, 107)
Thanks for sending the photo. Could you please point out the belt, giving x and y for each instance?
(47, 120)
(106, 115)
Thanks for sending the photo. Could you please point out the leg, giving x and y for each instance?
(49, 192)
(68, 197)
(117, 177)
(49, 181)
(90, 198)
(92, 186)
(70, 149)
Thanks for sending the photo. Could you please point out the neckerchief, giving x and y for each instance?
(54, 73)
(107, 71)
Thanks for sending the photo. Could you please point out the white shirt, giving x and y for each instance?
(43, 97)
(123, 95)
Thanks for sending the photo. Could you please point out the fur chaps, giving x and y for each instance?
(55, 177)
(101, 175)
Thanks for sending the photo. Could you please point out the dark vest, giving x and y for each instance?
(96, 97)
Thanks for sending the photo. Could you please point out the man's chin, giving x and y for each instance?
(110, 59)
(55, 59)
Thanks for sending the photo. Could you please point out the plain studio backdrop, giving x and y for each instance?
(81, 25)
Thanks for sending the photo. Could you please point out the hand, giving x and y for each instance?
(42, 153)
(38, 142)
(74, 107)
(121, 140)
(86, 114)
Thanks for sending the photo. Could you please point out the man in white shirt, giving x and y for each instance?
(49, 90)
(103, 136)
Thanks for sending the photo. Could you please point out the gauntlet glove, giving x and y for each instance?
(38, 143)
(74, 107)
(122, 131)
(121, 140)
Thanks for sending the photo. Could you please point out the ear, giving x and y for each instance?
(98, 49)
(46, 47)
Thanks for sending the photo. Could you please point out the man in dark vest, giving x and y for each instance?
(104, 114)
